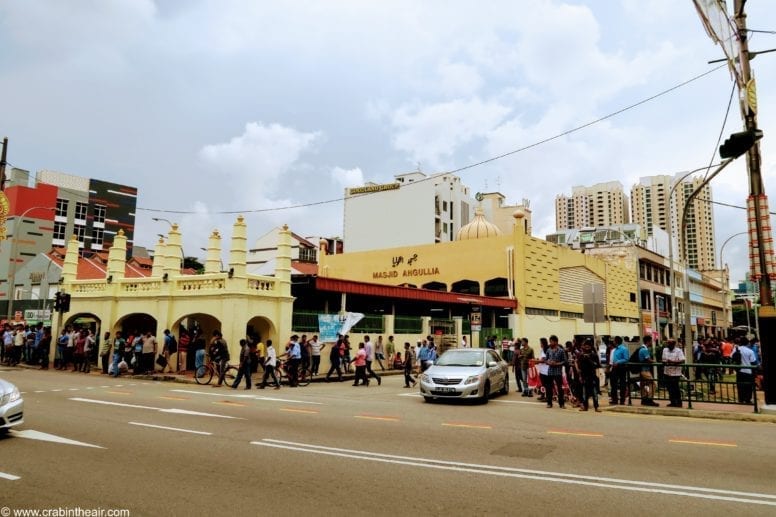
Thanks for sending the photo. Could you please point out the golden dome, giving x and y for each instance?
(479, 228)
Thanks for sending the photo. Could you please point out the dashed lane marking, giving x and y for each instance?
(376, 417)
(467, 426)
(585, 434)
(161, 410)
(171, 428)
(119, 392)
(297, 410)
(712, 443)
(228, 403)
(9, 477)
(173, 398)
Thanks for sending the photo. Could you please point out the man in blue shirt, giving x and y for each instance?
(647, 381)
(619, 371)
(294, 358)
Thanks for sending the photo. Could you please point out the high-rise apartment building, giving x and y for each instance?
(603, 204)
(650, 207)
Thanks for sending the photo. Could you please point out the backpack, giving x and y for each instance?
(172, 347)
(634, 358)
(736, 357)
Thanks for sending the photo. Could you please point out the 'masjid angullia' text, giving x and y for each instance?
(420, 271)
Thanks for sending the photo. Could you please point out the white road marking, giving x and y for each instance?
(161, 410)
(57, 390)
(40, 391)
(414, 394)
(45, 437)
(171, 428)
(73, 389)
(537, 404)
(545, 476)
(9, 477)
(252, 397)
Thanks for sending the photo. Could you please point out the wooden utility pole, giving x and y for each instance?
(767, 316)
(3, 162)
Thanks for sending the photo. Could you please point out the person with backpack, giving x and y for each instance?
(169, 348)
(647, 381)
(619, 372)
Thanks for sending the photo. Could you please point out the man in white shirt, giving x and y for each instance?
(315, 352)
(370, 356)
(269, 367)
(673, 358)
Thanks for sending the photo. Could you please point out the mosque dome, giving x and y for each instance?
(479, 228)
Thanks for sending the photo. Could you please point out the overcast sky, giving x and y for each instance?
(228, 105)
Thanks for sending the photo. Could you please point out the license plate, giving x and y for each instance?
(446, 390)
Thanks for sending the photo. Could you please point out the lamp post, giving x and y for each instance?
(163, 220)
(669, 224)
(12, 269)
(687, 331)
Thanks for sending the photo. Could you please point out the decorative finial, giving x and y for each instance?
(121, 232)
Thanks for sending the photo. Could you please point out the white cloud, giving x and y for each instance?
(458, 79)
(261, 154)
(348, 177)
(432, 133)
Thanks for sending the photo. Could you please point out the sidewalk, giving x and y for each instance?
(733, 412)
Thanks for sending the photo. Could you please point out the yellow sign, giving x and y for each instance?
(4, 209)
(751, 95)
(373, 188)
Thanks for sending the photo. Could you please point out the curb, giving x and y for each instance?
(696, 413)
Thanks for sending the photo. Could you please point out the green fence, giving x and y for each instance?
(407, 325)
(303, 321)
(372, 323)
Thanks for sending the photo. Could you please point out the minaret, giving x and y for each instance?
(117, 256)
(238, 255)
(173, 260)
(213, 261)
(159, 254)
(70, 267)
(283, 262)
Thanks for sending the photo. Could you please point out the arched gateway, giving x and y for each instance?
(232, 301)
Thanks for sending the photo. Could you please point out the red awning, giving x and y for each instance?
(410, 293)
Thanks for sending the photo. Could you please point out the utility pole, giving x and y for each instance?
(3, 163)
(767, 316)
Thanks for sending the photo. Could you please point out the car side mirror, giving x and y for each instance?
(492, 364)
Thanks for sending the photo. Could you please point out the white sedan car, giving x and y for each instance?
(465, 373)
(11, 406)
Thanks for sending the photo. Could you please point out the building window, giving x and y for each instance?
(308, 255)
(99, 213)
(98, 234)
(80, 211)
(79, 231)
(59, 231)
(62, 207)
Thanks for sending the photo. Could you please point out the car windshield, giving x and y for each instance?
(461, 358)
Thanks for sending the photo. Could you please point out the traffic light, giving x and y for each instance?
(65, 303)
(739, 143)
(58, 302)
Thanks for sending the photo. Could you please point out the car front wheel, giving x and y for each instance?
(485, 393)
(505, 388)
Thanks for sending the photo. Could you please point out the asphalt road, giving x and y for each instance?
(161, 448)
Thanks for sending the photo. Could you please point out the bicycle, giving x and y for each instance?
(304, 376)
(204, 374)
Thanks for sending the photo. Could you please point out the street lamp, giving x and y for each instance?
(687, 331)
(669, 225)
(163, 220)
(12, 270)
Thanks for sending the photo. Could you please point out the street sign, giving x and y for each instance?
(593, 300)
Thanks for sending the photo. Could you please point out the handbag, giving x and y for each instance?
(161, 361)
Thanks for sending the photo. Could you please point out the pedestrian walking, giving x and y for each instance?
(245, 366)
(409, 360)
(526, 356)
(335, 357)
(118, 353)
(380, 352)
(270, 363)
(219, 354)
(360, 363)
(647, 381)
(619, 372)
(370, 357)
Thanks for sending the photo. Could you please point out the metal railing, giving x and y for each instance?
(714, 383)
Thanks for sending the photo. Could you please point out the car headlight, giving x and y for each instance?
(425, 378)
(15, 395)
(472, 379)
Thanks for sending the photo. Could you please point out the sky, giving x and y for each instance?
(214, 106)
